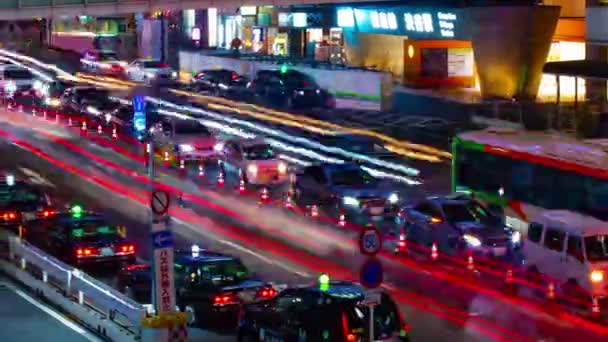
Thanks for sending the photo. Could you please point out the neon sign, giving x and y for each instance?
(424, 23)
(383, 20)
(446, 23)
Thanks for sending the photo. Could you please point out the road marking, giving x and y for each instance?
(35, 177)
(68, 323)
(263, 258)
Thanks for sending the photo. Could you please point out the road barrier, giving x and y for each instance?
(92, 303)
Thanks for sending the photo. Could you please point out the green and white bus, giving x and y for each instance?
(523, 173)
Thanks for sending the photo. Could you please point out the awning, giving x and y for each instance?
(581, 68)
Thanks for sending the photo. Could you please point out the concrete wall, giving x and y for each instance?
(366, 85)
(381, 51)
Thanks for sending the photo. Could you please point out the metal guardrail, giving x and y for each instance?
(118, 313)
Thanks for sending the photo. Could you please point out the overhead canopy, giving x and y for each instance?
(581, 68)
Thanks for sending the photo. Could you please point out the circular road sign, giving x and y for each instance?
(371, 274)
(159, 202)
(370, 241)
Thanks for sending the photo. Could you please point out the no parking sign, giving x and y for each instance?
(370, 241)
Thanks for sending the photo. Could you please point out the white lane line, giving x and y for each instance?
(35, 177)
(68, 323)
(263, 258)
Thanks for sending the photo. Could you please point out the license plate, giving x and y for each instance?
(107, 251)
(376, 210)
(499, 251)
(29, 216)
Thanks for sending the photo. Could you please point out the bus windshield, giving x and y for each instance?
(530, 183)
(597, 248)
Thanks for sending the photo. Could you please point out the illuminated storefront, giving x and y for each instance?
(568, 45)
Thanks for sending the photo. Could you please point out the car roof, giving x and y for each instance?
(252, 142)
(572, 222)
(67, 217)
(450, 199)
(202, 256)
(337, 288)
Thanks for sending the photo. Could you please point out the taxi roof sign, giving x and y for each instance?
(76, 211)
(10, 180)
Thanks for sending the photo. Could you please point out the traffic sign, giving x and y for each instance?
(372, 298)
(139, 113)
(159, 202)
(371, 274)
(370, 241)
(162, 239)
(164, 280)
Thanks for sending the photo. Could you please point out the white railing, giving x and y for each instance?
(92, 302)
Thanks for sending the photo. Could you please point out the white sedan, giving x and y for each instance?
(149, 71)
(255, 162)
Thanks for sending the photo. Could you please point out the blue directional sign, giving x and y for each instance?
(162, 239)
(139, 113)
(371, 273)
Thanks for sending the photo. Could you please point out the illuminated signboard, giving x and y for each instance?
(299, 19)
(383, 20)
(346, 17)
(426, 23)
(249, 10)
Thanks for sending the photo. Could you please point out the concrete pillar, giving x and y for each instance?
(596, 89)
(511, 44)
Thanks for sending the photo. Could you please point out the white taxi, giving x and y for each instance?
(571, 249)
(254, 161)
(150, 71)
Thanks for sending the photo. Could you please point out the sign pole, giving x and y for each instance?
(371, 323)
(152, 219)
(162, 241)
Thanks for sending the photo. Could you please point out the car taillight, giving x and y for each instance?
(47, 213)
(401, 240)
(225, 299)
(267, 292)
(85, 252)
(235, 76)
(127, 249)
(10, 215)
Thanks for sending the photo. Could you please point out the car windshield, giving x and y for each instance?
(19, 194)
(191, 127)
(259, 152)
(597, 248)
(357, 145)
(465, 212)
(108, 56)
(18, 74)
(154, 65)
(222, 272)
(93, 230)
(354, 176)
(300, 80)
(93, 94)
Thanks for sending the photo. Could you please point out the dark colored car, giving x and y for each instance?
(21, 202)
(122, 119)
(74, 101)
(81, 238)
(49, 94)
(346, 186)
(221, 82)
(290, 89)
(322, 312)
(360, 144)
(210, 286)
(458, 225)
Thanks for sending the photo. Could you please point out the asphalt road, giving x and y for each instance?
(304, 246)
(25, 318)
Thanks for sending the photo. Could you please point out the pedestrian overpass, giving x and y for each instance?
(29, 9)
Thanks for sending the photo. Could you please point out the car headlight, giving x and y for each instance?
(282, 168)
(10, 87)
(150, 75)
(219, 147)
(253, 169)
(471, 240)
(393, 198)
(300, 92)
(516, 237)
(92, 110)
(37, 85)
(348, 200)
(186, 148)
(596, 276)
(108, 117)
(174, 74)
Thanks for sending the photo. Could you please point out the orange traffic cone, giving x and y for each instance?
(265, 196)
(314, 211)
(509, 277)
(595, 308)
(70, 121)
(182, 164)
(241, 186)
(551, 291)
(434, 252)
(21, 108)
(470, 263)
(220, 179)
(201, 170)
(289, 200)
(34, 111)
(342, 219)
(166, 158)
(99, 129)
(114, 133)
(83, 127)
(401, 244)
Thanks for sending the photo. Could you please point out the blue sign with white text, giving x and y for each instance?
(371, 273)
(162, 239)
(139, 113)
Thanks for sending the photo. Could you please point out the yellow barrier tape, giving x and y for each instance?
(165, 320)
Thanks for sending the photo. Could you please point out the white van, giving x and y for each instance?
(15, 80)
(571, 249)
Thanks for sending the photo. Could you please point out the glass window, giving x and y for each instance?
(93, 231)
(597, 198)
(535, 232)
(597, 248)
(554, 239)
(223, 272)
(465, 212)
(154, 65)
(18, 74)
(190, 127)
(259, 152)
(108, 56)
(298, 79)
(316, 173)
(574, 247)
(427, 209)
(20, 193)
(354, 176)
